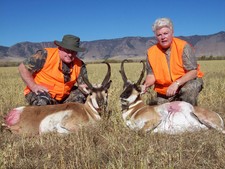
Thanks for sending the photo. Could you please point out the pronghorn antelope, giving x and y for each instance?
(61, 118)
(172, 118)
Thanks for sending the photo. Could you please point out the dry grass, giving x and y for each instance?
(110, 144)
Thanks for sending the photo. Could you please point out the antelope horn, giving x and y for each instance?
(142, 73)
(124, 77)
(108, 74)
(86, 81)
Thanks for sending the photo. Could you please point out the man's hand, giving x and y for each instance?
(149, 81)
(38, 88)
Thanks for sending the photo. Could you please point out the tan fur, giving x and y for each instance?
(153, 118)
(209, 118)
(141, 111)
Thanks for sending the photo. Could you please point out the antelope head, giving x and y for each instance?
(98, 94)
(131, 91)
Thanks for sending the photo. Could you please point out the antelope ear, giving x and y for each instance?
(84, 89)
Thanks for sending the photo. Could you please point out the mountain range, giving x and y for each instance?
(121, 48)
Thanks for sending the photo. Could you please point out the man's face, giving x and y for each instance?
(67, 56)
(164, 36)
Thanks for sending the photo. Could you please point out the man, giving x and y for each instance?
(172, 66)
(50, 74)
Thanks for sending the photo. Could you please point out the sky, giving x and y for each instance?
(49, 20)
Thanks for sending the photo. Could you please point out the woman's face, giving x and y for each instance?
(67, 56)
(164, 36)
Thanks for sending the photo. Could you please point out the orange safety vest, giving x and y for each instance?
(157, 59)
(51, 75)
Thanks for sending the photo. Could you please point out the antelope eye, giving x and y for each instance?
(127, 92)
(138, 88)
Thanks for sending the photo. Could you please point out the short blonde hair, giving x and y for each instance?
(162, 22)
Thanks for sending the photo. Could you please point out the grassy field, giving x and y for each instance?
(110, 144)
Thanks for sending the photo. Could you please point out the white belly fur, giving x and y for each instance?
(52, 123)
(176, 118)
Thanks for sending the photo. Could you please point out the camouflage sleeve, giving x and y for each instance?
(148, 67)
(36, 62)
(189, 58)
(84, 72)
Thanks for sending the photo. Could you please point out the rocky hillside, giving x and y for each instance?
(127, 47)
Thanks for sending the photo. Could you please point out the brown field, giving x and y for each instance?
(110, 144)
